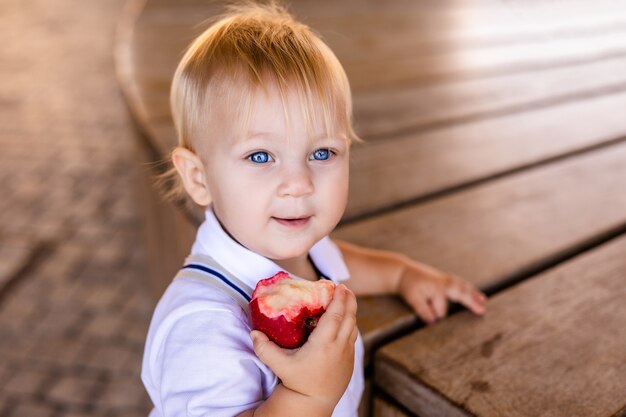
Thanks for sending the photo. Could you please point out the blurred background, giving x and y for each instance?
(73, 313)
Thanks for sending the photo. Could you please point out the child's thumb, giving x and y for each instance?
(264, 348)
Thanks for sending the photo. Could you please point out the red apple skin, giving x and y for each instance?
(292, 333)
(286, 334)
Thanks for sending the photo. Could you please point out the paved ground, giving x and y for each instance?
(73, 314)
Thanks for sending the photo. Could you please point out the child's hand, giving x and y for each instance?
(322, 367)
(427, 290)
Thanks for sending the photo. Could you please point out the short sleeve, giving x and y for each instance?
(327, 256)
(205, 366)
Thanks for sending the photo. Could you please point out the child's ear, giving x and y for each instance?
(191, 170)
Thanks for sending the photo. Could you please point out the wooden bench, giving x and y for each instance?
(553, 345)
(494, 149)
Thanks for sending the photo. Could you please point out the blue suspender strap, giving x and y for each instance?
(206, 269)
(219, 276)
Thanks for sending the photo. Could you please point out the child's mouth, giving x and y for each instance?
(294, 223)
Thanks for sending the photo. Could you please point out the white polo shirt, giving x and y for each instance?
(199, 360)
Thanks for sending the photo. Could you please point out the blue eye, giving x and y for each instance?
(321, 154)
(260, 157)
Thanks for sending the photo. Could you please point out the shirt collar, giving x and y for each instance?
(251, 267)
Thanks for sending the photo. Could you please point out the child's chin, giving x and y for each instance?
(292, 249)
(291, 254)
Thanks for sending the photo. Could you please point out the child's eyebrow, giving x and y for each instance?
(321, 137)
(253, 135)
(258, 137)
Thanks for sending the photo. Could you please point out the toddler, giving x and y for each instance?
(263, 113)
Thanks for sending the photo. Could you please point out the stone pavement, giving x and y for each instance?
(73, 313)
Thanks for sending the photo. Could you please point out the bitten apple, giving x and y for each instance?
(287, 309)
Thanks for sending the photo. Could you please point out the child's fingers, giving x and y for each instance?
(423, 309)
(330, 322)
(349, 322)
(479, 302)
(464, 293)
(440, 305)
(354, 335)
(269, 352)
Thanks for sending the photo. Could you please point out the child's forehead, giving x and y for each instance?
(269, 98)
(273, 113)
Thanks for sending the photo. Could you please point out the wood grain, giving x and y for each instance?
(494, 231)
(167, 233)
(410, 69)
(383, 408)
(553, 346)
(386, 173)
(380, 114)
(380, 319)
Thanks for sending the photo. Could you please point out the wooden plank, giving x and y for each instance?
(396, 44)
(496, 231)
(381, 114)
(503, 18)
(411, 70)
(365, 408)
(167, 233)
(386, 173)
(554, 345)
(383, 408)
(380, 319)
(361, 29)
(403, 44)
(394, 32)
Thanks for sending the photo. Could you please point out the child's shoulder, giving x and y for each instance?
(188, 299)
(195, 327)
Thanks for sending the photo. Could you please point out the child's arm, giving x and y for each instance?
(424, 288)
(315, 376)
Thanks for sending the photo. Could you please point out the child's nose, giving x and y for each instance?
(296, 181)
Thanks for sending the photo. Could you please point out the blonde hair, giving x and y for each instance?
(250, 46)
